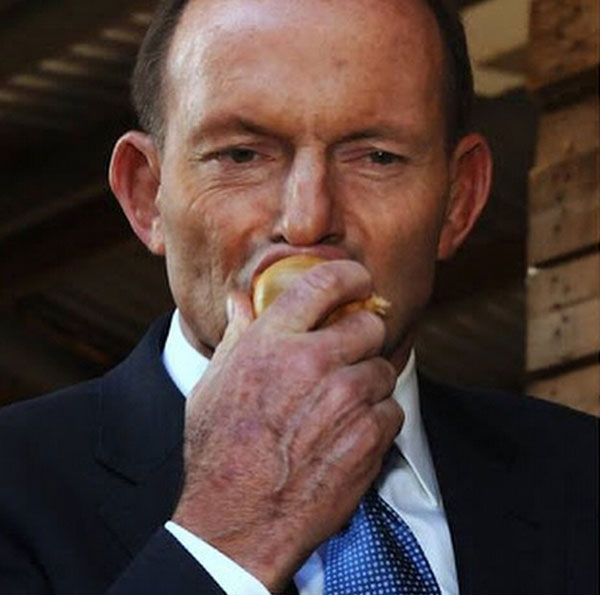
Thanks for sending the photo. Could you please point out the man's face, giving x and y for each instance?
(312, 125)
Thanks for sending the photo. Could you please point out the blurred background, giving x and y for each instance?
(77, 290)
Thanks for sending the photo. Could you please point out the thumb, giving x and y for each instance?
(239, 317)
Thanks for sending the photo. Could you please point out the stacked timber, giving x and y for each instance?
(563, 285)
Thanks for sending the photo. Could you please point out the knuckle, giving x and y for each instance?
(353, 384)
(387, 372)
(369, 431)
(310, 362)
(370, 325)
(398, 416)
(322, 279)
(341, 397)
(392, 418)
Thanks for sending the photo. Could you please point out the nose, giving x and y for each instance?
(308, 213)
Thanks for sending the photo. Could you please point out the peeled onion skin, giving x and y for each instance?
(280, 275)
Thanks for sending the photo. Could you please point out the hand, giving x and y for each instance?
(288, 426)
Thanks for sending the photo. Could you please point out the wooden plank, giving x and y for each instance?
(37, 30)
(568, 131)
(564, 207)
(573, 178)
(563, 229)
(579, 389)
(49, 86)
(563, 285)
(55, 243)
(564, 335)
(564, 40)
(68, 175)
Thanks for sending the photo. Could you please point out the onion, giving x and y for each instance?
(276, 278)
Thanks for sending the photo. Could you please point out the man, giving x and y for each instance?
(333, 128)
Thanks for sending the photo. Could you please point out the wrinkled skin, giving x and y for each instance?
(308, 418)
(308, 126)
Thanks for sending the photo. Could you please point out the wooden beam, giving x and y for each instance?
(51, 85)
(568, 131)
(564, 229)
(59, 179)
(51, 105)
(564, 207)
(563, 301)
(497, 35)
(85, 71)
(578, 388)
(38, 28)
(563, 285)
(565, 181)
(563, 335)
(56, 242)
(564, 45)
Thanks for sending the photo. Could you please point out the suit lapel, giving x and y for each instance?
(484, 475)
(486, 491)
(140, 442)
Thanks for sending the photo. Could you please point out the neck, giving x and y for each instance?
(398, 356)
(192, 338)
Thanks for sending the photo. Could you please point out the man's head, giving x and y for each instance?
(148, 92)
(307, 126)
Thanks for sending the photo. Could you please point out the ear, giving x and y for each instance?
(470, 181)
(134, 177)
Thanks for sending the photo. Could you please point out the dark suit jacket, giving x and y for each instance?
(89, 475)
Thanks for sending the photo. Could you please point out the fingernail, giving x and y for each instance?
(230, 307)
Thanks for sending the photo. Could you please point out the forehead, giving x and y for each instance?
(312, 48)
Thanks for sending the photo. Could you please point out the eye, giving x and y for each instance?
(239, 155)
(384, 158)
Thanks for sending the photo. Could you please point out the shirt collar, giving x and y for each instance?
(411, 440)
(185, 366)
(183, 363)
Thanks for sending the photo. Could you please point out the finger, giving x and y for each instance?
(318, 292)
(370, 436)
(344, 395)
(240, 315)
(390, 417)
(366, 382)
(354, 337)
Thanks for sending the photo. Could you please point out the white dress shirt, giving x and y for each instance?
(408, 484)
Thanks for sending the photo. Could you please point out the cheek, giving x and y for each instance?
(404, 268)
(201, 249)
(405, 236)
(197, 270)
(209, 239)
(404, 275)
(402, 257)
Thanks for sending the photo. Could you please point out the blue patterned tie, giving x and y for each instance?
(377, 554)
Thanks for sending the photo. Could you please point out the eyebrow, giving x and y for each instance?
(228, 124)
(364, 134)
(220, 125)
